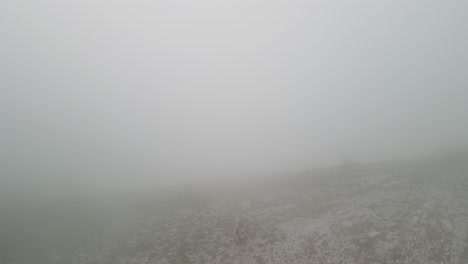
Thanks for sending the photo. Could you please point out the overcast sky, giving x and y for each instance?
(134, 93)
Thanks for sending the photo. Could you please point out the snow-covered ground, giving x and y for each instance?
(399, 213)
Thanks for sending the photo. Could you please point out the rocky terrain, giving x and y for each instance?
(402, 212)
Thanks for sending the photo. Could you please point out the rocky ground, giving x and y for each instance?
(406, 212)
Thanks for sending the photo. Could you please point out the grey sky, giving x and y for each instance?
(127, 93)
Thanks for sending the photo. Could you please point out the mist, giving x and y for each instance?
(248, 131)
(114, 95)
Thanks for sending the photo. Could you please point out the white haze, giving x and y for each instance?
(101, 95)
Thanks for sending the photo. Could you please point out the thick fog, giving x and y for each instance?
(101, 95)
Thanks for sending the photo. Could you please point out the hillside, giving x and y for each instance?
(402, 212)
